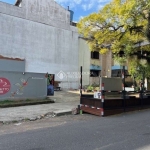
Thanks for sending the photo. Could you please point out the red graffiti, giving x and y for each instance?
(4, 86)
(25, 83)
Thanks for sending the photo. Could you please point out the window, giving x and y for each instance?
(118, 73)
(94, 73)
(18, 3)
(95, 55)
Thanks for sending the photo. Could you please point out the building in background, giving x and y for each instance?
(96, 65)
(37, 36)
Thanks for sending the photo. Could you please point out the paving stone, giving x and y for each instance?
(65, 102)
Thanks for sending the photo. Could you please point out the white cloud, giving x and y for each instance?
(62, 1)
(78, 1)
(81, 17)
(84, 7)
(85, 4)
(100, 7)
(89, 4)
(70, 3)
(103, 1)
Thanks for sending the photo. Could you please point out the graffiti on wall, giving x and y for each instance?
(4, 86)
(20, 87)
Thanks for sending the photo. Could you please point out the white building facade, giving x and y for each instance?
(39, 32)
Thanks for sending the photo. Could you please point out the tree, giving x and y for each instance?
(121, 25)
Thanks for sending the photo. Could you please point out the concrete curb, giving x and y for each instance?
(39, 117)
(63, 112)
(27, 103)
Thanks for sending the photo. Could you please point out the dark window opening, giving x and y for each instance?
(73, 24)
(94, 73)
(118, 73)
(95, 55)
(18, 3)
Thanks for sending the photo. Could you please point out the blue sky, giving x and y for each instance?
(81, 8)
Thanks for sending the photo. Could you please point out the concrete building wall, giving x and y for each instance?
(12, 65)
(94, 80)
(106, 63)
(84, 60)
(15, 85)
(103, 66)
(42, 11)
(39, 32)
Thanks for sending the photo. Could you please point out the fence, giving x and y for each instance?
(105, 106)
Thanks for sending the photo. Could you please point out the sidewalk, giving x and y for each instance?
(64, 103)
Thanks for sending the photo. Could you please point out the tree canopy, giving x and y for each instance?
(121, 25)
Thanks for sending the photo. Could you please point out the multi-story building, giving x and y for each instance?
(39, 35)
(102, 65)
(96, 65)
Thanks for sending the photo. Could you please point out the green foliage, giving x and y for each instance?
(6, 102)
(103, 50)
(90, 88)
(137, 88)
(120, 24)
(95, 85)
(138, 69)
(148, 28)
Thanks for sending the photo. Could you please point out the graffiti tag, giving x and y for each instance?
(4, 86)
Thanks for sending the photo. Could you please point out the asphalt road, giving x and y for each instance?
(130, 131)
